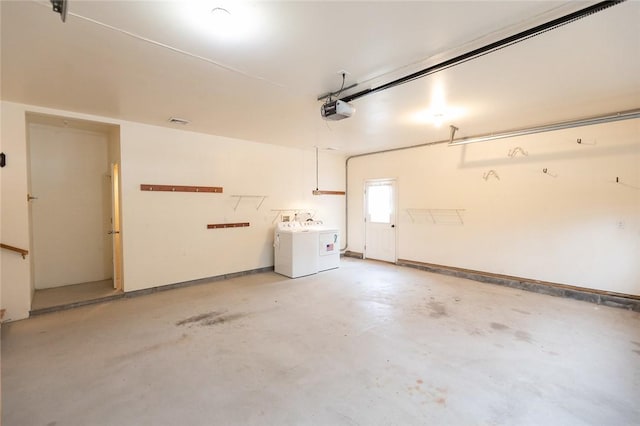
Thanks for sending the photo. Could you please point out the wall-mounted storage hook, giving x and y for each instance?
(547, 172)
(619, 181)
(452, 134)
(490, 173)
(513, 152)
(580, 141)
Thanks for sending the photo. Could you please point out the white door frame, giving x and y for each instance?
(116, 209)
(394, 224)
(116, 227)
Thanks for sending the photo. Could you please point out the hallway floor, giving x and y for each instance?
(367, 344)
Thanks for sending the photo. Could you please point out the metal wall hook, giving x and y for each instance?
(619, 181)
(438, 216)
(453, 132)
(513, 152)
(490, 173)
(240, 197)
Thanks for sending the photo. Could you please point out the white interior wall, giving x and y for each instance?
(15, 273)
(573, 225)
(71, 215)
(165, 239)
(165, 235)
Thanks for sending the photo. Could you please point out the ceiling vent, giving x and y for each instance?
(176, 120)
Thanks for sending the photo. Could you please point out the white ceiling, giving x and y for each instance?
(146, 61)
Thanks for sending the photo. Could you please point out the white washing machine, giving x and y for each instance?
(328, 245)
(295, 250)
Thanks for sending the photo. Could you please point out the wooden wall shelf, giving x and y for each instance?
(321, 192)
(180, 188)
(227, 225)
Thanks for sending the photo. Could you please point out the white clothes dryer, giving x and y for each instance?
(328, 244)
(329, 249)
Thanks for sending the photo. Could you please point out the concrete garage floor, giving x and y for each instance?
(368, 344)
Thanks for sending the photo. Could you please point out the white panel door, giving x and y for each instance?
(380, 220)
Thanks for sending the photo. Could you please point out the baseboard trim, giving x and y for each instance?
(599, 297)
(157, 289)
(200, 281)
(354, 254)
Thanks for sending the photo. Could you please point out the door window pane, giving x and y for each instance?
(379, 203)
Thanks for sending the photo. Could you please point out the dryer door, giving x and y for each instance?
(329, 243)
(329, 250)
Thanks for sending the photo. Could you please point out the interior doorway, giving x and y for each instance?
(380, 219)
(74, 210)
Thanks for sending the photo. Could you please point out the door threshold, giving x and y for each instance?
(66, 306)
(71, 296)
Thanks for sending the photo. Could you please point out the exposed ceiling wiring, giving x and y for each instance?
(165, 46)
(344, 75)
